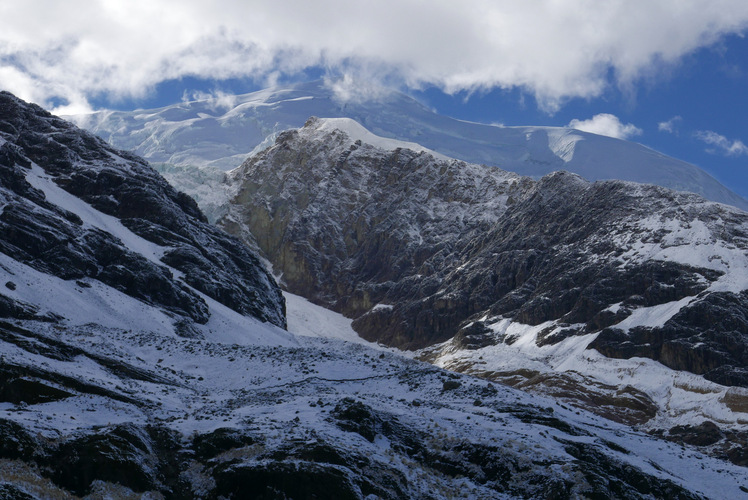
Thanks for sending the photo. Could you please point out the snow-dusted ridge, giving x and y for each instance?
(681, 398)
(357, 132)
(114, 309)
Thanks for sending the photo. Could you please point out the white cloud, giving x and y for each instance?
(606, 124)
(670, 126)
(554, 49)
(354, 88)
(722, 145)
(219, 100)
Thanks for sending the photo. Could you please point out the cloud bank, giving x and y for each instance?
(722, 145)
(68, 52)
(606, 124)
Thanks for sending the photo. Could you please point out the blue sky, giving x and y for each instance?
(707, 91)
(670, 74)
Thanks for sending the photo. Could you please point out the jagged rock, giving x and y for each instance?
(15, 389)
(209, 445)
(704, 434)
(415, 248)
(10, 492)
(286, 480)
(121, 455)
(16, 442)
(53, 240)
(598, 470)
(708, 337)
(474, 336)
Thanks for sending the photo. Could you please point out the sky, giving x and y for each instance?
(670, 74)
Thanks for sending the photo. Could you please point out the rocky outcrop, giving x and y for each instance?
(229, 463)
(416, 248)
(50, 238)
(708, 337)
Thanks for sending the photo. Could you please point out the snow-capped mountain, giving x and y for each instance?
(627, 299)
(142, 356)
(222, 132)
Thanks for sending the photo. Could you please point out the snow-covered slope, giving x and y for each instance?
(77, 209)
(221, 132)
(125, 373)
(559, 285)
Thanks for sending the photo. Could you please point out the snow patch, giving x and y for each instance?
(93, 218)
(654, 316)
(310, 320)
(356, 131)
(563, 142)
(683, 398)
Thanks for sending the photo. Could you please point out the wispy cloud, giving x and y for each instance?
(670, 126)
(606, 124)
(722, 145)
(553, 49)
(218, 99)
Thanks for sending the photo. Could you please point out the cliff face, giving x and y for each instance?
(351, 226)
(622, 298)
(54, 176)
(414, 248)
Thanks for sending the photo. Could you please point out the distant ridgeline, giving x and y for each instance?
(215, 135)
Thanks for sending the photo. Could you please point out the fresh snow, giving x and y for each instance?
(692, 243)
(93, 218)
(357, 132)
(683, 398)
(209, 385)
(114, 309)
(310, 320)
(655, 316)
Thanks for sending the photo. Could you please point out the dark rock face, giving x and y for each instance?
(155, 459)
(723, 442)
(55, 241)
(708, 337)
(120, 455)
(417, 250)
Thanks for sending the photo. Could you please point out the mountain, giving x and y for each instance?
(203, 138)
(626, 299)
(142, 355)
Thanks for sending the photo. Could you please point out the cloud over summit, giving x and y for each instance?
(554, 49)
(606, 124)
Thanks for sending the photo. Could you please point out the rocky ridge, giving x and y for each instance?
(46, 160)
(421, 251)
